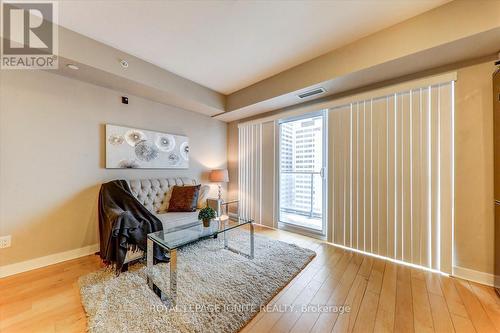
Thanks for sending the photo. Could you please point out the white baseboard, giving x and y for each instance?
(474, 276)
(55, 258)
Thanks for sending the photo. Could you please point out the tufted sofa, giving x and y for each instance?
(152, 194)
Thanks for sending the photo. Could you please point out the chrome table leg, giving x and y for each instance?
(225, 240)
(252, 238)
(252, 244)
(173, 275)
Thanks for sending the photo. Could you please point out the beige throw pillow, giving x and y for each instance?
(202, 196)
(164, 205)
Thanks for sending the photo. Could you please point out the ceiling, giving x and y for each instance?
(229, 45)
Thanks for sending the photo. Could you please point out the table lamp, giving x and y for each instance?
(219, 176)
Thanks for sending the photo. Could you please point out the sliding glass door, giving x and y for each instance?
(302, 177)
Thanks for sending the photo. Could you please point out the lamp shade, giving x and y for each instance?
(219, 176)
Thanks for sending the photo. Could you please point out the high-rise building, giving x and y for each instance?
(300, 162)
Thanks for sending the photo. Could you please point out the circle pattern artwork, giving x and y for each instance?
(165, 142)
(128, 164)
(133, 137)
(133, 148)
(184, 150)
(173, 159)
(116, 139)
(145, 151)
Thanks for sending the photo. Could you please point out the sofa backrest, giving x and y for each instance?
(151, 192)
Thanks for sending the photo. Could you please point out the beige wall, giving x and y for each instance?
(474, 209)
(473, 165)
(52, 157)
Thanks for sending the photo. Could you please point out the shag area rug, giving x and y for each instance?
(217, 290)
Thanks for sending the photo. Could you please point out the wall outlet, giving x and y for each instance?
(5, 241)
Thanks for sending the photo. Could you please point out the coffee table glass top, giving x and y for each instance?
(176, 237)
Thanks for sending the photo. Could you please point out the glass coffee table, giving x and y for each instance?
(172, 239)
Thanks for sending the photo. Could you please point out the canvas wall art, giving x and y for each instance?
(132, 148)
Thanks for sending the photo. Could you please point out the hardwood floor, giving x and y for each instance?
(382, 296)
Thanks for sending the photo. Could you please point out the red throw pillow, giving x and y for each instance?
(184, 198)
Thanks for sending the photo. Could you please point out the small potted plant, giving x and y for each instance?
(206, 214)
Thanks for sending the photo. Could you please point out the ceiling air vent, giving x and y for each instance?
(313, 92)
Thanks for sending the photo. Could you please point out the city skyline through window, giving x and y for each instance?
(301, 163)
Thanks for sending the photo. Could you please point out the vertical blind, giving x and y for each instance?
(250, 171)
(391, 170)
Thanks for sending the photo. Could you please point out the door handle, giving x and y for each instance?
(322, 173)
(497, 202)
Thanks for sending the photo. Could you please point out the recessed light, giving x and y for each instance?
(124, 63)
(72, 66)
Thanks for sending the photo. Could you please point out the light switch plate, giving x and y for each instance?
(5, 241)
